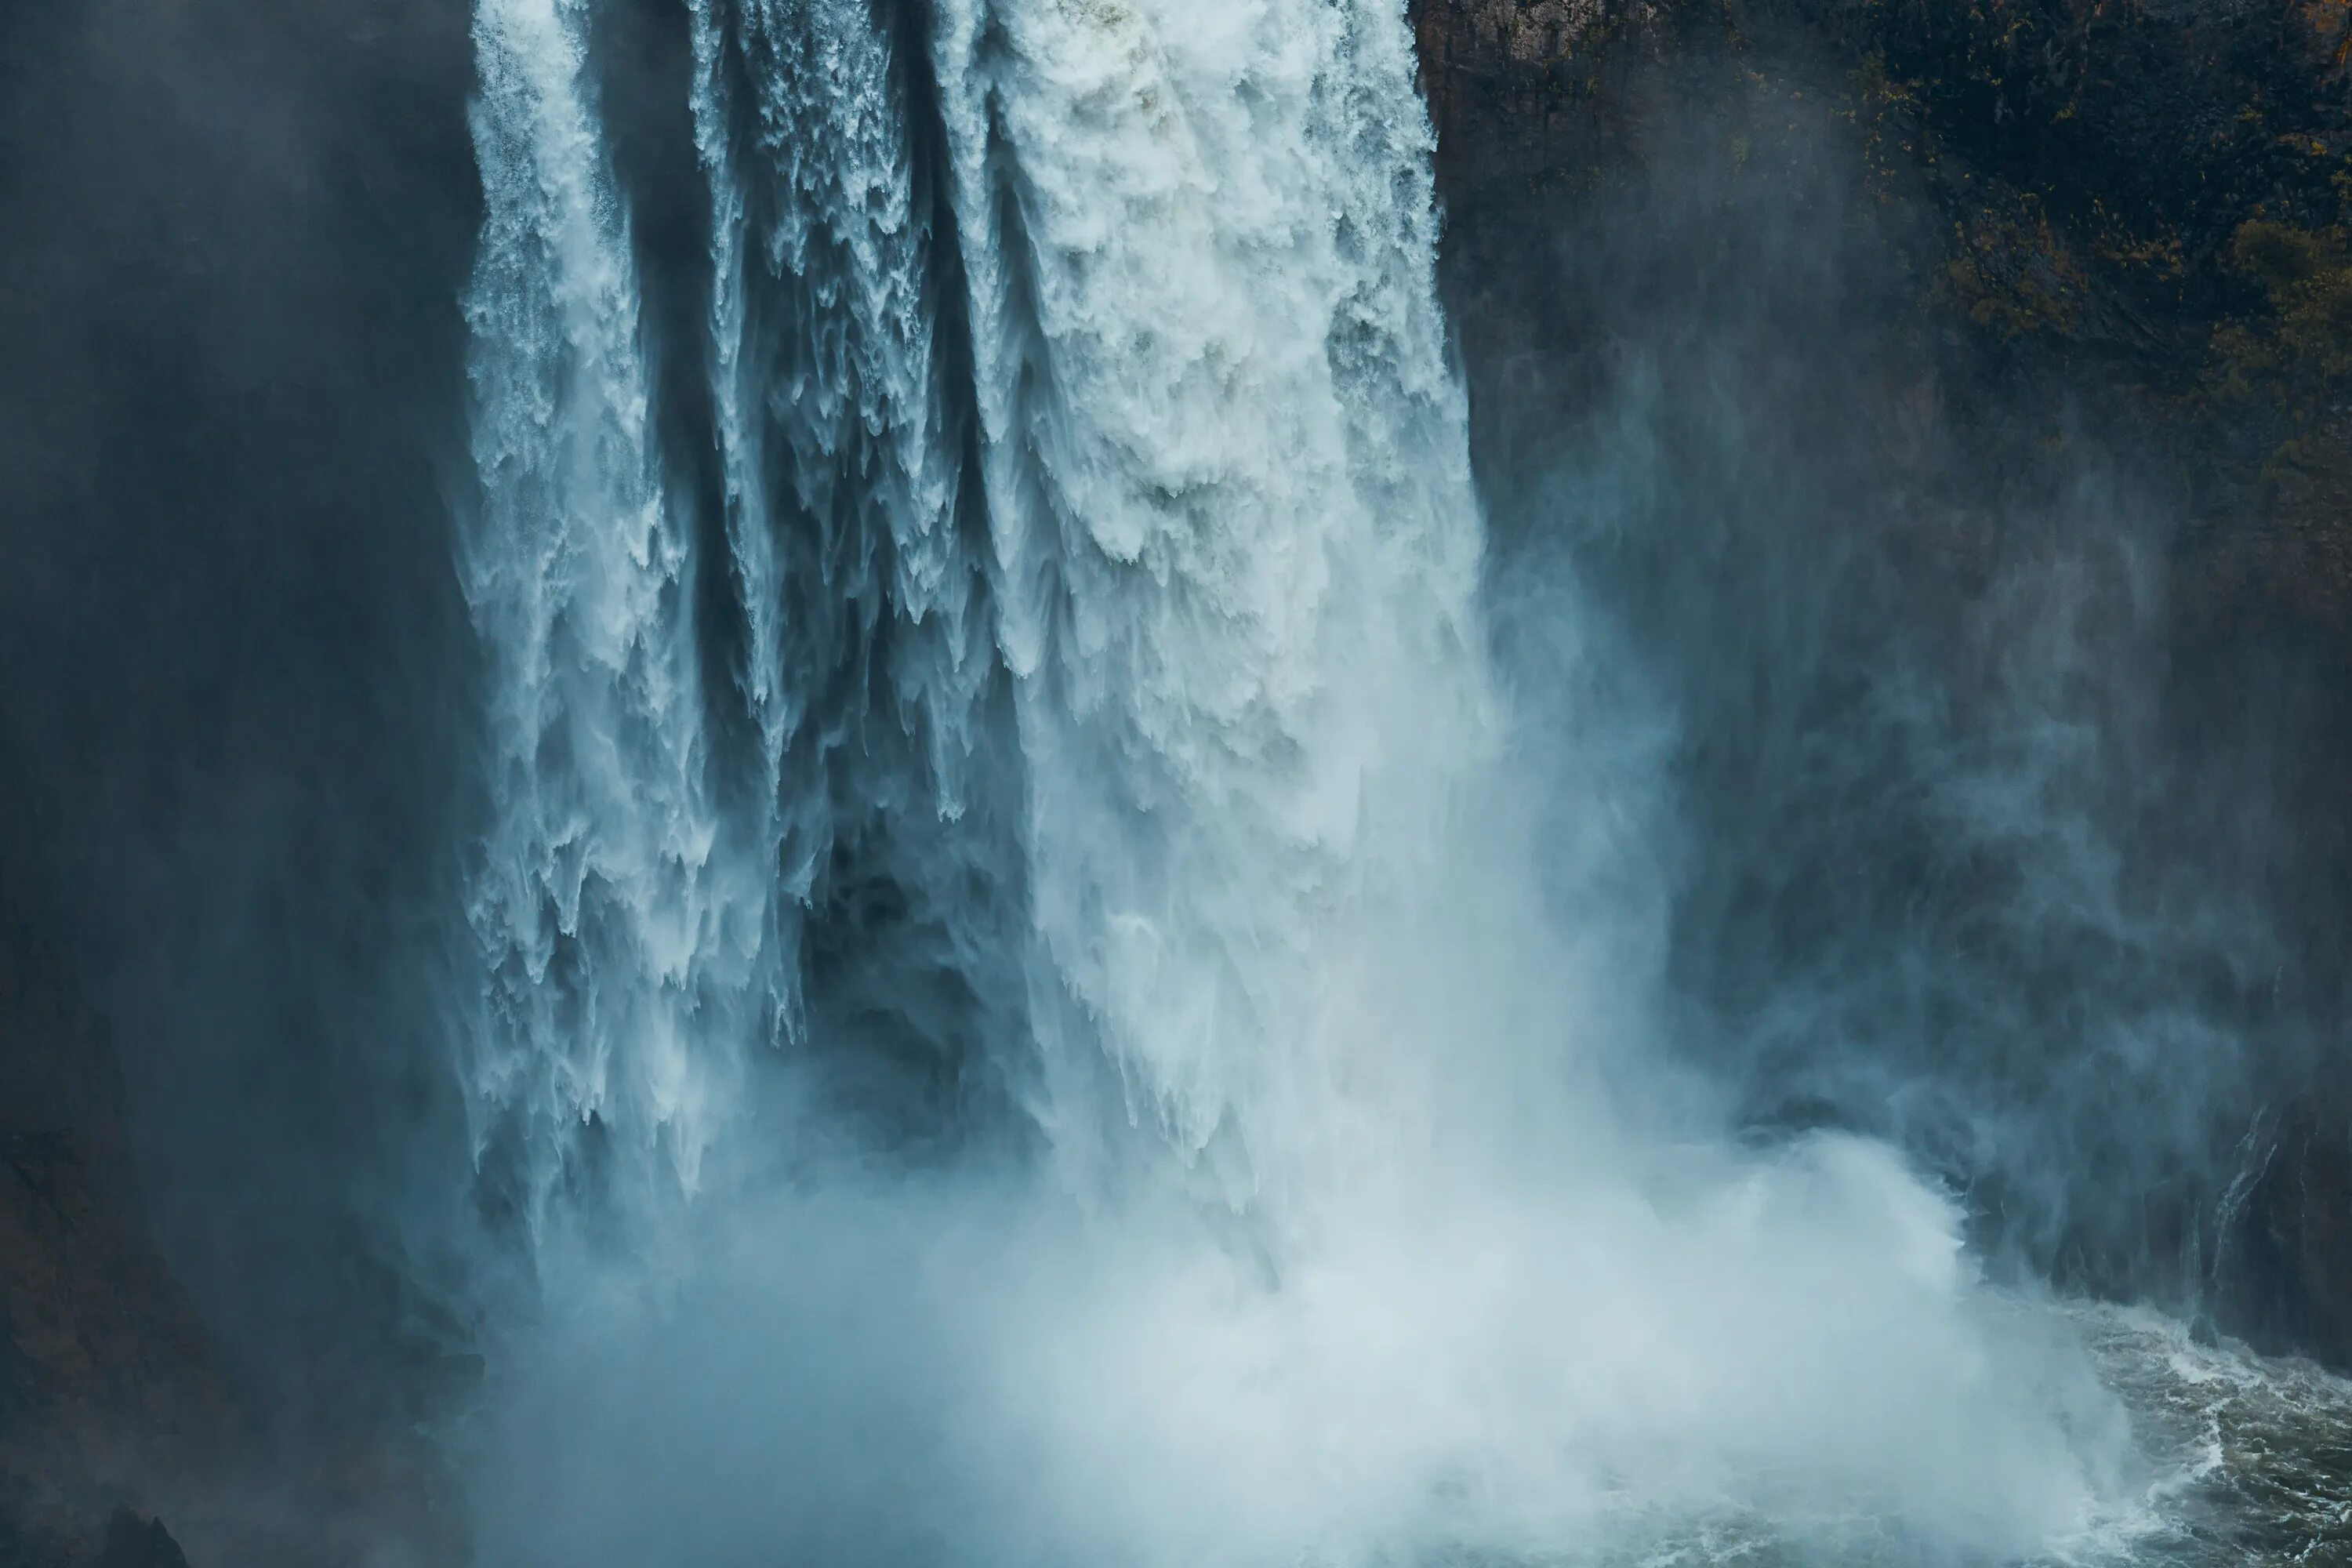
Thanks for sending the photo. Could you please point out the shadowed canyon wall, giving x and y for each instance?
(1954, 396)
(235, 679)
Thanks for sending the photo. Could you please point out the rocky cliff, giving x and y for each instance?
(108, 1383)
(122, 1433)
(1946, 339)
(229, 279)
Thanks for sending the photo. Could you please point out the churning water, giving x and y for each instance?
(1043, 996)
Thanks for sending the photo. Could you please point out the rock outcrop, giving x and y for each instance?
(233, 661)
(133, 1540)
(109, 1394)
(116, 1411)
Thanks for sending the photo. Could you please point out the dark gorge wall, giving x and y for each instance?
(1952, 400)
(233, 704)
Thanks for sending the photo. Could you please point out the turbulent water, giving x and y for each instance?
(621, 940)
(1082, 1011)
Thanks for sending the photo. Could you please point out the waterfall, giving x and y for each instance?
(1092, 717)
(618, 946)
(1229, 535)
(1235, 541)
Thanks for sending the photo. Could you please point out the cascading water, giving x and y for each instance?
(867, 661)
(1087, 445)
(619, 944)
(1229, 494)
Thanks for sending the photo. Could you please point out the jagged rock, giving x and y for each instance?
(98, 1333)
(133, 1540)
(2285, 1254)
(106, 1377)
(112, 1402)
(56, 1057)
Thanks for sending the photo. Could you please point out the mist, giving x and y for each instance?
(1972, 844)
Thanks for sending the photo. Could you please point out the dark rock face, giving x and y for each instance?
(233, 669)
(233, 676)
(233, 657)
(2285, 1252)
(113, 1400)
(57, 1056)
(1921, 384)
(105, 1351)
(107, 1382)
(135, 1542)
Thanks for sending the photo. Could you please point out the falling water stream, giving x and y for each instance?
(1091, 584)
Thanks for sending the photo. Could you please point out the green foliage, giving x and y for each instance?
(2012, 271)
(2291, 359)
